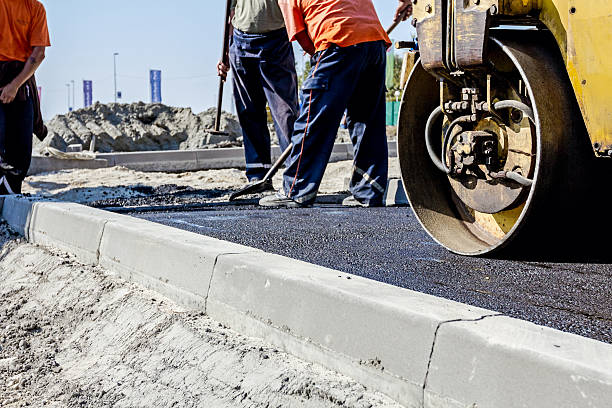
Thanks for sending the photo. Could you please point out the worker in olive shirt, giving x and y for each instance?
(263, 63)
(23, 38)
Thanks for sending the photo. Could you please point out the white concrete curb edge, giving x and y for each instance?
(420, 350)
(175, 160)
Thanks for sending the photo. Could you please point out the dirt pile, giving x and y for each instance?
(74, 335)
(140, 127)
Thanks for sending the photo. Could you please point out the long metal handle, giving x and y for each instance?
(219, 104)
(225, 59)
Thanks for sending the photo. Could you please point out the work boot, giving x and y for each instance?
(351, 201)
(279, 199)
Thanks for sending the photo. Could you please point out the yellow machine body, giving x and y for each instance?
(582, 30)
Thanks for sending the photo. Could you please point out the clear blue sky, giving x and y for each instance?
(182, 38)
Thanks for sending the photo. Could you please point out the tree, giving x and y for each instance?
(394, 83)
(304, 75)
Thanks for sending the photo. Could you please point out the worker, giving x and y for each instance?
(348, 48)
(263, 64)
(23, 38)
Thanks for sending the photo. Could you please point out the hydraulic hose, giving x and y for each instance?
(510, 104)
(514, 176)
(428, 134)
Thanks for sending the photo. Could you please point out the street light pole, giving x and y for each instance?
(115, 66)
(68, 96)
(73, 97)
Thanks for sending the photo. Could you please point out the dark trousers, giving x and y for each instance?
(16, 127)
(264, 71)
(351, 79)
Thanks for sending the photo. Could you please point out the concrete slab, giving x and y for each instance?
(382, 333)
(505, 362)
(176, 160)
(176, 263)
(42, 164)
(395, 194)
(221, 158)
(392, 148)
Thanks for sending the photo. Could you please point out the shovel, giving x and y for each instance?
(225, 59)
(260, 186)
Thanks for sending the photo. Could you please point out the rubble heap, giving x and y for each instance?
(140, 127)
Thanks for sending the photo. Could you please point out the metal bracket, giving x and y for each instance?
(453, 34)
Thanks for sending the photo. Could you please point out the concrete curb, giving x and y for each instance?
(175, 160)
(420, 350)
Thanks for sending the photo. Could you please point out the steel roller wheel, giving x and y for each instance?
(478, 215)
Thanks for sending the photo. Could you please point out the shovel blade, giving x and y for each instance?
(255, 188)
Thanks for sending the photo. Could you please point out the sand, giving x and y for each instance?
(73, 335)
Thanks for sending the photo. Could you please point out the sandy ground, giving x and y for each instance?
(87, 186)
(73, 335)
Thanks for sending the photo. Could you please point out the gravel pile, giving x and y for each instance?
(140, 127)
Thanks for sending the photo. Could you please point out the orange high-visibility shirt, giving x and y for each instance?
(340, 22)
(23, 25)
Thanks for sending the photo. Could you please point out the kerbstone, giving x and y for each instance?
(384, 331)
(175, 160)
(43, 164)
(70, 227)
(392, 145)
(177, 263)
(220, 158)
(504, 362)
(16, 212)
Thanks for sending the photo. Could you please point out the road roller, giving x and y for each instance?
(505, 125)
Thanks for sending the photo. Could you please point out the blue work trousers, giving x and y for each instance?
(16, 128)
(342, 78)
(264, 71)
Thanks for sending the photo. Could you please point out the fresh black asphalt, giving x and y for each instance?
(389, 245)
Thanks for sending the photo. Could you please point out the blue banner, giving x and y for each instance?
(87, 93)
(155, 86)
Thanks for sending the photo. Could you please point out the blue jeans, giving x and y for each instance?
(16, 128)
(352, 79)
(264, 71)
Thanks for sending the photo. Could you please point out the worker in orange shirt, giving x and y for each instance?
(348, 47)
(23, 38)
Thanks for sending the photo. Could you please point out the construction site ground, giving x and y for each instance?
(73, 335)
(385, 244)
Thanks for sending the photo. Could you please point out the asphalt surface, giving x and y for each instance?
(389, 245)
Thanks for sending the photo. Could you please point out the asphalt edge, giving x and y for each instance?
(420, 350)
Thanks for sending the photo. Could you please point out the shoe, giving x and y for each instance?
(279, 200)
(351, 201)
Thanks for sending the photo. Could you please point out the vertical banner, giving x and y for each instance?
(155, 86)
(87, 93)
